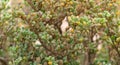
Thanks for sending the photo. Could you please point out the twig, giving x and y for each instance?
(3, 61)
(33, 7)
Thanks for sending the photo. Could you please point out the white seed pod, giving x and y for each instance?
(37, 42)
(96, 37)
(99, 47)
(64, 25)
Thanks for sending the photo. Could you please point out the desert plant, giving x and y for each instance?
(92, 36)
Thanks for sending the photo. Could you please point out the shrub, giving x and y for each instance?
(92, 36)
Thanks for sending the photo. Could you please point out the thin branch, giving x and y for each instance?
(42, 43)
(3, 61)
(33, 7)
(115, 47)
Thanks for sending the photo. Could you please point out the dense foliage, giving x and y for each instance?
(30, 32)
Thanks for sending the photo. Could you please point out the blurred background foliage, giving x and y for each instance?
(30, 32)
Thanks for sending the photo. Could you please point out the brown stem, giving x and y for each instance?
(3, 61)
(115, 47)
(33, 7)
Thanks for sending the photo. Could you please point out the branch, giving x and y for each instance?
(113, 44)
(33, 7)
(3, 61)
(37, 33)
